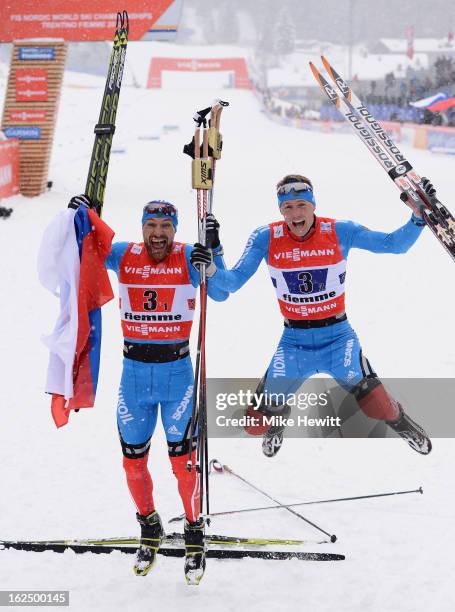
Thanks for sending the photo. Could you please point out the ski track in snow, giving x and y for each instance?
(70, 483)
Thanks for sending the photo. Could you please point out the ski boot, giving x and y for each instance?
(152, 534)
(412, 433)
(272, 441)
(273, 437)
(194, 551)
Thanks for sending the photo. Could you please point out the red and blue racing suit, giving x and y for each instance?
(157, 303)
(309, 279)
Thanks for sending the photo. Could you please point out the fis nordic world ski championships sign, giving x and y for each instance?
(85, 20)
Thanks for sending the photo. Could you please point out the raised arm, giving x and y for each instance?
(353, 235)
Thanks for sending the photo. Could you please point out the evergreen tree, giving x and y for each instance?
(228, 24)
(209, 28)
(284, 32)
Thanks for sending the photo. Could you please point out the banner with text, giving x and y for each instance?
(85, 20)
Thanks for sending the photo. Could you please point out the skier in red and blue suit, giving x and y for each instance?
(306, 256)
(157, 295)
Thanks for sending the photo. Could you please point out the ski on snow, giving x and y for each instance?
(219, 547)
(177, 538)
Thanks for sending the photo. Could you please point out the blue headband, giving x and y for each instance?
(173, 216)
(306, 195)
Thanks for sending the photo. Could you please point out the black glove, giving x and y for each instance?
(417, 209)
(428, 187)
(202, 256)
(81, 200)
(212, 235)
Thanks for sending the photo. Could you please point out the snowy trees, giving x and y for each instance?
(284, 37)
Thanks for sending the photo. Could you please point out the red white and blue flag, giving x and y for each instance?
(71, 264)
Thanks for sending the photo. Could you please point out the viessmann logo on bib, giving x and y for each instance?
(147, 271)
(298, 254)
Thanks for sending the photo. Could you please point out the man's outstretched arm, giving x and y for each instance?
(255, 250)
(353, 235)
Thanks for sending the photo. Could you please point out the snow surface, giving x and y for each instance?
(69, 483)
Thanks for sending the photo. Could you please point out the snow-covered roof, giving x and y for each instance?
(294, 70)
(421, 45)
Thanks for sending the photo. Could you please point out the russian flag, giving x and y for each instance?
(442, 105)
(72, 257)
(426, 102)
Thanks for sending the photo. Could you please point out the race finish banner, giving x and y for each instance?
(87, 20)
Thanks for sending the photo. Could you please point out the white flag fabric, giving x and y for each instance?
(59, 270)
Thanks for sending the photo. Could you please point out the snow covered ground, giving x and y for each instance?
(70, 483)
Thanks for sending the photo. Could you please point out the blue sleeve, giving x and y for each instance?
(217, 294)
(115, 256)
(255, 250)
(218, 257)
(353, 235)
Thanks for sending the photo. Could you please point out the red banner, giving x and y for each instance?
(77, 21)
(31, 85)
(9, 167)
(22, 115)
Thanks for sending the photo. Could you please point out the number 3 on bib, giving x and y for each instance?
(151, 296)
(307, 282)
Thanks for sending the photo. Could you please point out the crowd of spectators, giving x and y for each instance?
(388, 99)
(275, 102)
(444, 71)
(290, 111)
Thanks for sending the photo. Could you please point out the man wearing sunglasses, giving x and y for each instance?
(306, 256)
(157, 295)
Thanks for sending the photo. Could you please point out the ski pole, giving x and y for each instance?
(204, 157)
(202, 409)
(321, 501)
(218, 467)
(308, 503)
(211, 146)
(201, 181)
